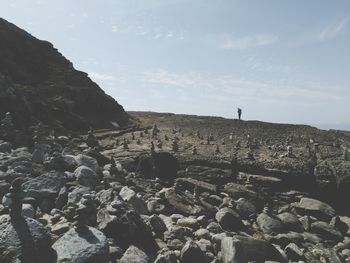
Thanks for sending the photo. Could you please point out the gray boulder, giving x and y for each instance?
(86, 176)
(232, 251)
(229, 220)
(84, 160)
(25, 239)
(315, 208)
(192, 253)
(134, 255)
(270, 224)
(88, 247)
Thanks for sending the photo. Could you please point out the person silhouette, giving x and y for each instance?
(239, 113)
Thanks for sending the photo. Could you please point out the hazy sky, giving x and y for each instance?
(280, 61)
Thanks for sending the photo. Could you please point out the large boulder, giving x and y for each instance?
(192, 253)
(229, 220)
(314, 208)
(126, 228)
(86, 176)
(260, 250)
(162, 165)
(24, 239)
(86, 247)
(232, 251)
(183, 202)
(270, 224)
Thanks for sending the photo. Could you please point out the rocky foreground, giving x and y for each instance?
(174, 194)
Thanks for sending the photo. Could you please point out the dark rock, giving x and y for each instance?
(270, 224)
(294, 252)
(190, 184)
(86, 177)
(45, 189)
(260, 250)
(126, 228)
(183, 202)
(192, 253)
(314, 208)
(326, 231)
(38, 83)
(291, 222)
(77, 193)
(25, 239)
(245, 208)
(86, 247)
(162, 165)
(229, 220)
(232, 251)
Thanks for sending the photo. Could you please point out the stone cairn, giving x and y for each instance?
(155, 130)
(16, 195)
(194, 150)
(175, 145)
(91, 140)
(7, 126)
(125, 144)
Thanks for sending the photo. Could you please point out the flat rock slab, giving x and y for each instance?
(202, 186)
(314, 208)
(89, 247)
(45, 185)
(183, 202)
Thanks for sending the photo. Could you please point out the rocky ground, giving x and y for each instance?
(208, 190)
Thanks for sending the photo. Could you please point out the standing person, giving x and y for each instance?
(239, 113)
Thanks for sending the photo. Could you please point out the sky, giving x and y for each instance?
(280, 61)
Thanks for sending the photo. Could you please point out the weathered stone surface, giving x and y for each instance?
(325, 230)
(270, 224)
(46, 185)
(315, 208)
(88, 247)
(290, 221)
(190, 184)
(236, 191)
(183, 202)
(259, 250)
(86, 177)
(229, 220)
(26, 238)
(245, 208)
(192, 253)
(84, 160)
(134, 255)
(232, 251)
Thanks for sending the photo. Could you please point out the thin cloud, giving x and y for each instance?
(333, 30)
(249, 41)
(100, 76)
(223, 87)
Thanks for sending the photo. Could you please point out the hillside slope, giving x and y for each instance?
(39, 83)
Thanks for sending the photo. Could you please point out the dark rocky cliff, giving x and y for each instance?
(37, 83)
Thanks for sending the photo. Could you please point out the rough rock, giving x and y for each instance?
(232, 251)
(134, 255)
(192, 253)
(270, 224)
(229, 220)
(88, 247)
(26, 238)
(315, 208)
(86, 176)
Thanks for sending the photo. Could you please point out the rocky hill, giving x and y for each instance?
(37, 83)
